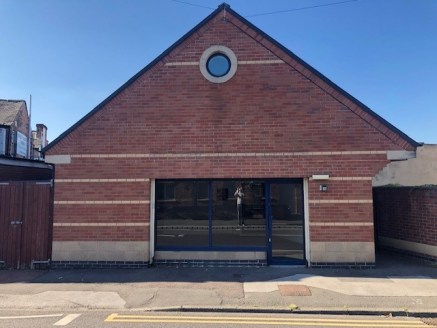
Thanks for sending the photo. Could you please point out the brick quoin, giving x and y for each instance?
(265, 109)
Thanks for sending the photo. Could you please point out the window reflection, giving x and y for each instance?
(287, 221)
(238, 222)
(182, 213)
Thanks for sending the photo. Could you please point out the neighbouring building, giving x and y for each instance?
(26, 194)
(26, 213)
(39, 141)
(151, 174)
(14, 128)
(405, 201)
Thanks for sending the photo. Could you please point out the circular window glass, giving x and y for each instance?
(218, 65)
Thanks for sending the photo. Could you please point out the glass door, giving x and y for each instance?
(286, 223)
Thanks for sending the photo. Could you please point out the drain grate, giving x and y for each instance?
(294, 290)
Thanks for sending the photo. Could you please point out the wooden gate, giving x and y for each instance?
(26, 220)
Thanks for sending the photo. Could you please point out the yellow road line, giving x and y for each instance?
(265, 321)
(269, 323)
(128, 316)
(111, 317)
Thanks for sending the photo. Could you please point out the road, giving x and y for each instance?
(106, 319)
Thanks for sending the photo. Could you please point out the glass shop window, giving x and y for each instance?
(238, 222)
(182, 214)
(188, 216)
(165, 191)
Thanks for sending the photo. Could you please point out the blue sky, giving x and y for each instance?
(71, 55)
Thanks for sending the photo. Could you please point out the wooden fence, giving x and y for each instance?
(26, 223)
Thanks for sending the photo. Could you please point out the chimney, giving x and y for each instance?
(41, 134)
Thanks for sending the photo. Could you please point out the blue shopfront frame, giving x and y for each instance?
(268, 217)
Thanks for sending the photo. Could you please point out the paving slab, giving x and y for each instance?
(402, 286)
(389, 286)
(171, 297)
(64, 299)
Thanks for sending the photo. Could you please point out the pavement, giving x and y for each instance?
(398, 286)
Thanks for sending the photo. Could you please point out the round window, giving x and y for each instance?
(218, 65)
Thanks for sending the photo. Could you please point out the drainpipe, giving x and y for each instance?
(29, 134)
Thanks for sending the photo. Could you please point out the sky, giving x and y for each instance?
(70, 55)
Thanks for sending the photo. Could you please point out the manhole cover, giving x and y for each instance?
(294, 290)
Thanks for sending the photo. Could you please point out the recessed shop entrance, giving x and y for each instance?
(238, 217)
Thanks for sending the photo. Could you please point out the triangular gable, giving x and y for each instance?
(395, 135)
(9, 110)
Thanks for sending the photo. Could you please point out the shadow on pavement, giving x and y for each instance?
(387, 264)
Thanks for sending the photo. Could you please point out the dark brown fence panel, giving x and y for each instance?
(37, 223)
(11, 195)
(25, 223)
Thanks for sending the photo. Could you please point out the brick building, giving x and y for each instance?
(405, 205)
(151, 173)
(39, 140)
(14, 128)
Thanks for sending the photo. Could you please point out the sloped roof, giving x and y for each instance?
(355, 105)
(9, 110)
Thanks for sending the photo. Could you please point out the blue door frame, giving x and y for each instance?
(270, 258)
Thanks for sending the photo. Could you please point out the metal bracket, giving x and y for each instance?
(16, 222)
(32, 265)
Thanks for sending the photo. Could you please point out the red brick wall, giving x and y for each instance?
(407, 213)
(264, 108)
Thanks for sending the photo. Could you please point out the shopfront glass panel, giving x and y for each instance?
(238, 222)
(181, 212)
(287, 222)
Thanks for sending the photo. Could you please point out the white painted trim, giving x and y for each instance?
(200, 155)
(341, 201)
(152, 222)
(320, 177)
(67, 319)
(99, 180)
(261, 62)
(99, 202)
(58, 159)
(240, 62)
(31, 316)
(101, 224)
(408, 245)
(400, 155)
(306, 212)
(351, 178)
(192, 63)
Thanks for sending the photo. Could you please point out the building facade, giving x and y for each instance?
(14, 128)
(405, 194)
(152, 173)
(39, 141)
